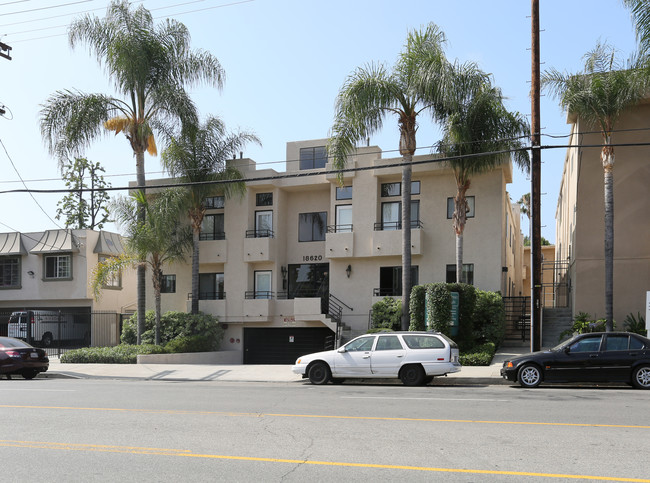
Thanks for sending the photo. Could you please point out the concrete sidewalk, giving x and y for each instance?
(484, 375)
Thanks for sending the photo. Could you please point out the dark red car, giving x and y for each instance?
(18, 357)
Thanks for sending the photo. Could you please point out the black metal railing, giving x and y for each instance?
(212, 236)
(339, 228)
(258, 294)
(260, 234)
(517, 316)
(210, 295)
(396, 225)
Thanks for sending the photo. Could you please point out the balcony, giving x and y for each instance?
(339, 241)
(258, 306)
(213, 248)
(213, 303)
(387, 238)
(259, 246)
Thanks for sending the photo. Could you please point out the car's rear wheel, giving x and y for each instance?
(29, 373)
(529, 375)
(319, 373)
(412, 375)
(641, 377)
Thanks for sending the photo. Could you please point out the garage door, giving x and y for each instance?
(283, 345)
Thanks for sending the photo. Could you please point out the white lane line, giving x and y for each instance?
(425, 398)
(40, 390)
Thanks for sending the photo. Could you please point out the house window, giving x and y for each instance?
(344, 193)
(263, 224)
(313, 158)
(390, 281)
(58, 267)
(391, 189)
(9, 272)
(211, 286)
(214, 202)
(263, 287)
(468, 273)
(391, 215)
(415, 187)
(312, 226)
(212, 227)
(114, 280)
(470, 207)
(168, 284)
(264, 199)
(343, 218)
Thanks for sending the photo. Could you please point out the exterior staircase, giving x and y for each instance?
(554, 322)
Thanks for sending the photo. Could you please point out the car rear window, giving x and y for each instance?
(6, 342)
(423, 342)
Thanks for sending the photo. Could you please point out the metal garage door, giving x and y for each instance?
(284, 345)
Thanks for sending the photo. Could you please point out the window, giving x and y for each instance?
(263, 287)
(423, 342)
(58, 267)
(468, 273)
(388, 343)
(168, 284)
(264, 199)
(308, 280)
(470, 207)
(263, 224)
(212, 227)
(588, 344)
(312, 226)
(343, 218)
(415, 187)
(214, 203)
(616, 343)
(391, 215)
(210, 286)
(390, 281)
(114, 280)
(391, 189)
(362, 344)
(9, 272)
(313, 158)
(344, 193)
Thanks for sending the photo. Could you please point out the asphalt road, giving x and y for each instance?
(103, 430)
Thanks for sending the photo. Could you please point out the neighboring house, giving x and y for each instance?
(51, 270)
(298, 252)
(580, 217)
(551, 296)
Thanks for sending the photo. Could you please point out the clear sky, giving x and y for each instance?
(285, 61)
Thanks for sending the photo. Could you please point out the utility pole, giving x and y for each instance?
(536, 242)
(4, 51)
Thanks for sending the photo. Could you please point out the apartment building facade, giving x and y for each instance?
(580, 225)
(277, 264)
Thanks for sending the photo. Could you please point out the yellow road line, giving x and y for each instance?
(189, 454)
(325, 416)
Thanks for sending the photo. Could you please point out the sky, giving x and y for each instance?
(285, 61)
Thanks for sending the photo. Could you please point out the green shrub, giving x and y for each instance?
(121, 354)
(466, 307)
(479, 355)
(583, 324)
(489, 318)
(387, 314)
(439, 307)
(189, 343)
(635, 324)
(416, 309)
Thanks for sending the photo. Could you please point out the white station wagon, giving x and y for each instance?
(414, 357)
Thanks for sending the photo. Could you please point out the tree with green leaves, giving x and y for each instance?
(150, 66)
(524, 204)
(85, 206)
(373, 93)
(640, 12)
(597, 96)
(200, 159)
(160, 240)
(479, 135)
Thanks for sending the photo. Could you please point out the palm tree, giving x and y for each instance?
(598, 95)
(373, 93)
(149, 65)
(479, 134)
(197, 157)
(524, 204)
(158, 241)
(640, 10)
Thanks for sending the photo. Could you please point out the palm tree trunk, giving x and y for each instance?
(459, 258)
(608, 166)
(406, 240)
(141, 270)
(460, 218)
(195, 270)
(157, 283)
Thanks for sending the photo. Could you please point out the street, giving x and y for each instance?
(72, 430)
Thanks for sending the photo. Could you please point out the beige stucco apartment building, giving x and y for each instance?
(52, 270)
(278, 265)
(580, 217)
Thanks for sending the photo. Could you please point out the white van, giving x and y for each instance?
(46, 326)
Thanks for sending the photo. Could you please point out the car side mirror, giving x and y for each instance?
(341, 350)
(567, 349)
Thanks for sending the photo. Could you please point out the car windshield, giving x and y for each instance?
(7, 342)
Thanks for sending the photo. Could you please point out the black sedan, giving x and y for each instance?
(18, 357)
(593, 357)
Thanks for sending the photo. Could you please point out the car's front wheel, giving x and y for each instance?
(641, 377)
(529, 375)
(412, 375)
(319, 373)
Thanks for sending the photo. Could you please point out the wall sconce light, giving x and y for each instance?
(30, 273)
(348, 270)
(284, 271)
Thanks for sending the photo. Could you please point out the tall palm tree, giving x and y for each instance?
(479, 134)
(373, 93)
(154, 243)
(640, 11)
(524, 204)
(597, 96)
(150, 66)
(197, 157)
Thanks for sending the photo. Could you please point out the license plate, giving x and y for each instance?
(34, 355)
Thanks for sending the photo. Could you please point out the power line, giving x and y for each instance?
(45, 8)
